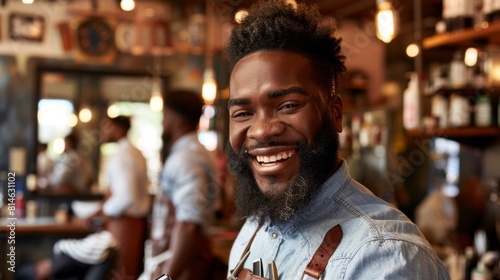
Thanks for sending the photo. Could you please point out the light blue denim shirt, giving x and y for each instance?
(378, 241)
(189, 178)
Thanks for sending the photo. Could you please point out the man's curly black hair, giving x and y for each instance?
(276, 25)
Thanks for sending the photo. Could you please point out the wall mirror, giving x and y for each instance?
(73, 102)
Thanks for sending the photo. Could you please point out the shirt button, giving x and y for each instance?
(274, 235)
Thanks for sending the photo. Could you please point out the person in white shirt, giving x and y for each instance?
(126, 171)
(123, 216)
(128, 202)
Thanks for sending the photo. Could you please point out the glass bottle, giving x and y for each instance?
(458, 71)
(491, 10)
(483, 110)
(458, 14)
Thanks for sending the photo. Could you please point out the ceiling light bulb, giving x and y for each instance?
(386, 20)
(28, 1)
(209, 89)
(156, 101)
(85, 115)
(240, 15)
(127, 5)
(58, 145)
(412, 50)
(113, 111)
(72, 120)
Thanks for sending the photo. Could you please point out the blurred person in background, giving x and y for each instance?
(44, 166)
(121, 220)
(185, 203)
(437, 217)
(127, 202)
(72, 172)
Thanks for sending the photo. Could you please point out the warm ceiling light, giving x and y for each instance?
(72, 120)
(113, 111)
(85, 115)
(127, 5)
(28, 1)
(156, 101)
(209, 89)
(412, 50)
(240, 15)
(58, 146)
(386, 20)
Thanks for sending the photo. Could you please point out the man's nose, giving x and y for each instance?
(265, 128)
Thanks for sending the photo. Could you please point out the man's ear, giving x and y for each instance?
(336, 107)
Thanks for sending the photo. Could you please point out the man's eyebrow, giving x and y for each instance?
(237, 101)
(281, 92)
(272, 94)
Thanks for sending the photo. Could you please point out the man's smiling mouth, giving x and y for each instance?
(274, 158)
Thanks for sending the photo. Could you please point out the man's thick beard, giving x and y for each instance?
(317, 160)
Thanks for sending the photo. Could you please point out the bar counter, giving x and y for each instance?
(35, 237)
(41, 226)
(32, 239)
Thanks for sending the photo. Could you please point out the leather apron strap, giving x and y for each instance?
(318, 262)
(325, 250)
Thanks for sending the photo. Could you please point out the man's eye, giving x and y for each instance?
(239, 115)
(288, 106)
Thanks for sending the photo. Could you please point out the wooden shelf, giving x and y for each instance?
(457, 132)
(492, 91)
(480, 137)
(491, 34)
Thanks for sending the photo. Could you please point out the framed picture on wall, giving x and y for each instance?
(28, 27)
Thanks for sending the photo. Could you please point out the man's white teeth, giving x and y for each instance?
(274, 158)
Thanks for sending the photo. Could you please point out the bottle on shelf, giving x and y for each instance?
(458, 14)
(483, 112)
(439, 109)
(411, 104)
(458, 75)
(491, 11)
(20, 202)
(459, 111)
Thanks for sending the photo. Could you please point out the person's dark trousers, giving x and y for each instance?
(65, 267)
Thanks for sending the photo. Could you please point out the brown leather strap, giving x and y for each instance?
(325, 250)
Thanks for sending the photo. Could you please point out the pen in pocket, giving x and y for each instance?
(273, 271)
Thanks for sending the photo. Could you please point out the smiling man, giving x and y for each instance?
(303, 210)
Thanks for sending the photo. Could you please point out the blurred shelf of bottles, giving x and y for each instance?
(464, 14)
(463, 92)
(460, 97)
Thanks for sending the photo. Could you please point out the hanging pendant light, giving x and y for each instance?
(209, 89)
(386, 20)
(85, 114)
(156, 101)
